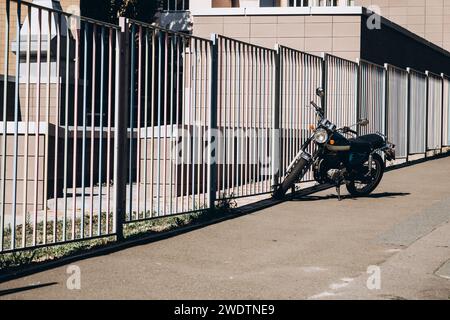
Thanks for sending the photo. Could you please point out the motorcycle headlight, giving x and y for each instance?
(321, 136)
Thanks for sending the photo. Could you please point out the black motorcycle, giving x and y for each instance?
(355, 161)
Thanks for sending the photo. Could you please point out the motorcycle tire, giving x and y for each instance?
(290, 180)
(368, 189)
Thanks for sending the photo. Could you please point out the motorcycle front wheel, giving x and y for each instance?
(290, 180)
(369, 182)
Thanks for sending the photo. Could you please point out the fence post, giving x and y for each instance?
(120, 123)
(358, 96)
(276, 134)
(324, 81)
(386, 101)
(442, 112)
(408, 115)
(426, 112)
(213, 134)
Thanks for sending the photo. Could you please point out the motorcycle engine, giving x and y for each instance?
(328, 172)
(335, 175)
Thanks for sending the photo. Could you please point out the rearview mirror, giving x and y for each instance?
(364, 122)
(320, 92)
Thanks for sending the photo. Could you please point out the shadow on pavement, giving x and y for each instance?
(349, 197)
(27, 288)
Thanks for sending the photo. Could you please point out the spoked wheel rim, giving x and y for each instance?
(370, 179)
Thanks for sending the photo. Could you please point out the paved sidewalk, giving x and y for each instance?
(312, 248)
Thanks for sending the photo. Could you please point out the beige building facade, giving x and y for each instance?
(317, 26)
(338, 34)
(66, 5)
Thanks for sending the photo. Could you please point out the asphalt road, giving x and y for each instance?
(311, 248)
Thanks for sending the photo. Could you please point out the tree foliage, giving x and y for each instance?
(111, 10)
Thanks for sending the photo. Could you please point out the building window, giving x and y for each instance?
(315, 3)
(225, 3)
(298, 3)
(175, 5)
(267, 3)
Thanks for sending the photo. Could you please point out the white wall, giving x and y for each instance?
(199, 4)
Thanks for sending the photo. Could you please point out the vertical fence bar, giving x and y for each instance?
(36, 128)
(276, 116)
(213, 116)
(408, 117)
(101, 135)
(27, 121)
(427, 109)
(120, 123)
(442, 113)
(5, 123)
(16, 129)
(57, 122)
(146, 126)
(130, 128)
(66, 129)
(92, 131)
(84, 135)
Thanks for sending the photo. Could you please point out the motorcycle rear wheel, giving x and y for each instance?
(359, 188)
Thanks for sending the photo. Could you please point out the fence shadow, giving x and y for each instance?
(349, 197)
(26, 288)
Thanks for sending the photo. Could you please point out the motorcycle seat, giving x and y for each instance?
(366, 143)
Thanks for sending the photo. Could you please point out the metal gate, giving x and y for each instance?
(372, 97)
(397, 108)
(417, 112)
(168, 115)
(300, 75)
(434, 111)
(245, 122)
(341, 88)
(57, 129)
(446, 112)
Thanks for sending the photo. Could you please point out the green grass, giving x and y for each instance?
(21, 259)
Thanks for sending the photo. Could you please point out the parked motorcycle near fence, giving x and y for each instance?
(337, 159)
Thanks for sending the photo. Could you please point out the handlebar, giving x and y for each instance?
(348, 130)
(318, 109)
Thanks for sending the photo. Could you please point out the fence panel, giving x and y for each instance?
(245, 121)
(434, 112)
(397, 106)
(417, 112)
(372, 97)
(61, 176)
(300, 76)
(56, 134)
(446, 113)
(168, 170)
(341, 90)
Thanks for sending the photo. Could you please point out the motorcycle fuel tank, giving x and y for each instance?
(338, 143)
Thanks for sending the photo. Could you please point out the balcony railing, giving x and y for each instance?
(175, 5)
(184, 5)
(314, 3)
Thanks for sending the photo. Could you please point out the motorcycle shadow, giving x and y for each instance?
(350, 197)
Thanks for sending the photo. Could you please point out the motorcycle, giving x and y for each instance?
(340, 157)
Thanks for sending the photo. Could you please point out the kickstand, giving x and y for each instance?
(338, 190)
